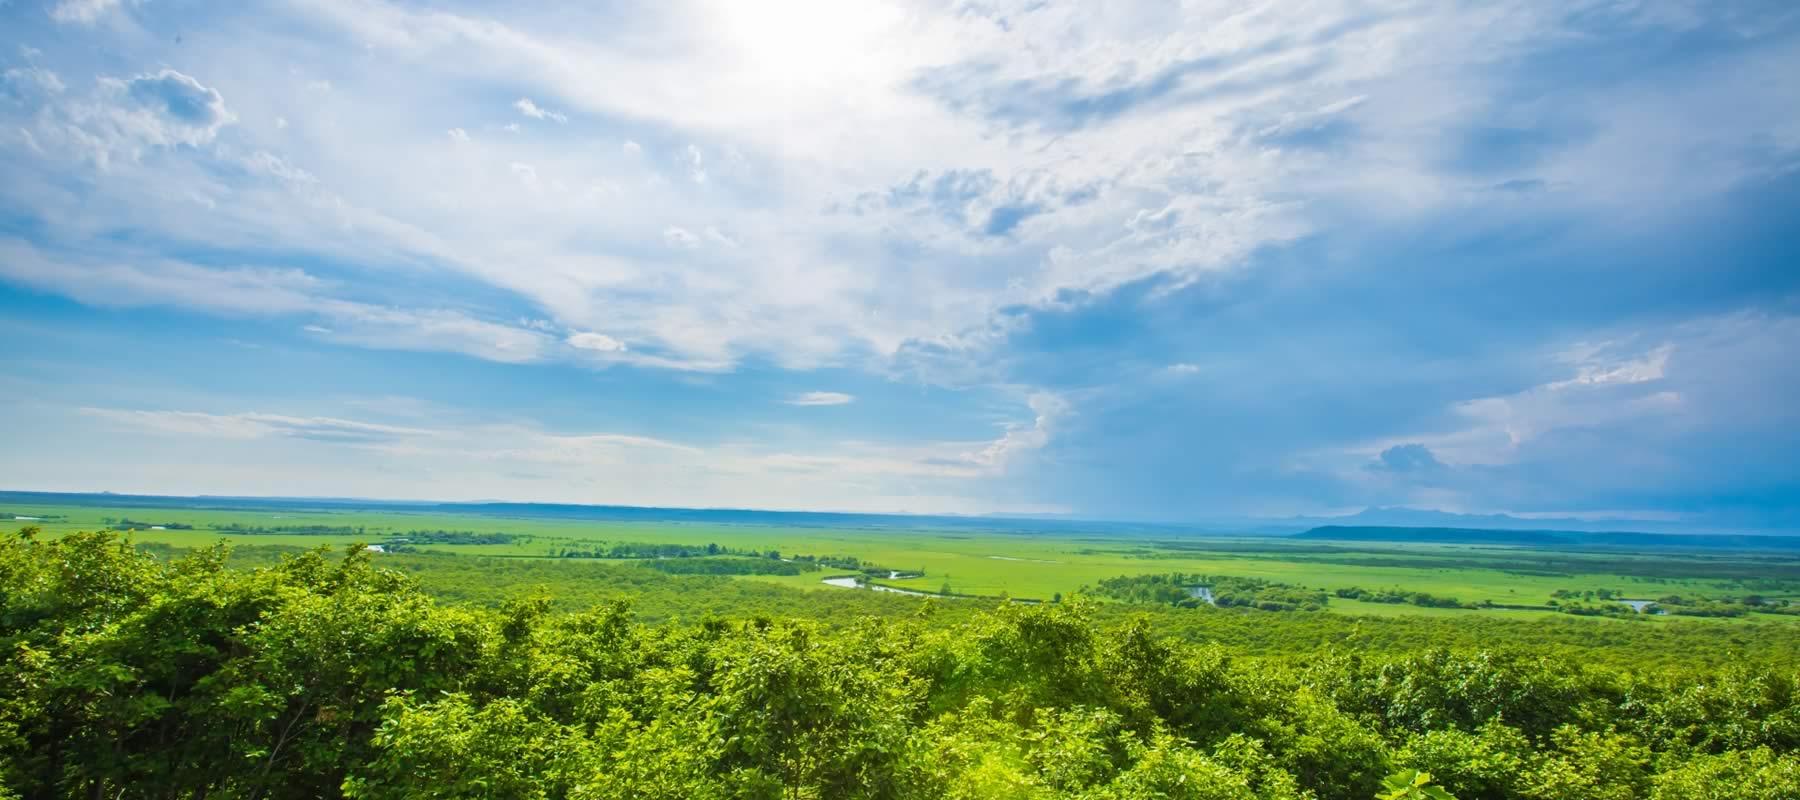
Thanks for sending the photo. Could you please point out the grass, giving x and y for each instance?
(1036, 566)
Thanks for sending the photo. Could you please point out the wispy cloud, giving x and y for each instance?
(147, 281)
(472, 459)
(820, 399)
(254, 426)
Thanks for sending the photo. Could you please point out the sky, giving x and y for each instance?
(1137, 260)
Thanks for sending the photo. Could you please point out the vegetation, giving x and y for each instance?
(1422, 599)
(440, 536)
(302, 530)
(139, 672)
(727, 565)
(1189, 591)
(126, 523)
(980, 558)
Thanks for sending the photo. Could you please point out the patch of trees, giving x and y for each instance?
(663, 551)
(1693, 605)
(729, 565)
(1422, 599)
(126, 524)
(1182, 589)
(295, 530)
(420, 537)
(1705, 606)
(1582, 608)
(132, 676)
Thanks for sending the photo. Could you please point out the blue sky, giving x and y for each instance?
(1123, 260)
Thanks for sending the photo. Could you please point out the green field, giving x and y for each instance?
(1035, 566)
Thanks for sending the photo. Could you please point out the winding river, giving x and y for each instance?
(849, 582)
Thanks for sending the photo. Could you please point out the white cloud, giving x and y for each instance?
(126, 116)
(142, 280)
(696, 164)
(136, 281)
(1706, 374)
(718, 237)
(829, 105)
(475, 458)
(680, 237)
(459, 135)
(433, 330)
(254, 425)
(1021, 439)
(35, 78)
(820, 399)
(530, 109)
(1182, 369)
(84, 12)
(600, 342)
(1594, 368)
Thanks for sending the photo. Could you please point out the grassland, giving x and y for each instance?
(1026, 565)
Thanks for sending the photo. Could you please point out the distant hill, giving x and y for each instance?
(1403, 517)
(606, 513)
(1555, 539)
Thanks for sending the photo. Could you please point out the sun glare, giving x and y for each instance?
(805, 42)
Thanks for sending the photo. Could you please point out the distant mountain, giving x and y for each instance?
(1401, 517)
(1633, 540)
(607, 513)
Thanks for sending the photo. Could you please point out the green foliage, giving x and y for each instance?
(131, 674)
(1411, 785)
(1226, 592)
(1757, 773)
(725, 565)
(1422, 599)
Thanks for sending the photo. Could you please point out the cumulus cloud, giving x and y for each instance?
(1020, 439)
(820, 399)
(168, 108)
(1413, 460)
(680, 237)
(532, 110)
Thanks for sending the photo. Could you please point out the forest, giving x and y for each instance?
(150, 672)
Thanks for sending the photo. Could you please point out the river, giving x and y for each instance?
(849, 582)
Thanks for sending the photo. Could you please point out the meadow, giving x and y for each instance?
(1006, 560)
